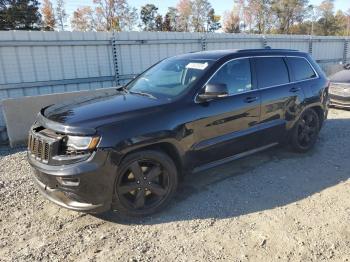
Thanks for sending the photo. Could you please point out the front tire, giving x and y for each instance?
(305, 132)
(145, 183)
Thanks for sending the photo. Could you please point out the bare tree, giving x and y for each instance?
(106, 16)
(184, 8)
(259, 12)
(231, 22)
(115, 15)
(49, 21)
(82, 19)
(127, 16)
(348, 22)
(61, 15)
(200, 13)
(240, 12)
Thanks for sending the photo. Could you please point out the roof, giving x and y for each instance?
(217, 54)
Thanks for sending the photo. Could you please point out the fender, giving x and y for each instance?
(308, 106)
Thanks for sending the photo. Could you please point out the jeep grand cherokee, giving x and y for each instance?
(126, 151)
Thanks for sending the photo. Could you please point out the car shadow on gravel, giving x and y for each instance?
(267, 180)
(6, 151)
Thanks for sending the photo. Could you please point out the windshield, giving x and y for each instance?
(170, 77)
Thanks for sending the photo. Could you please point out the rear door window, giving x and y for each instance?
(271, 71)
(301, 68)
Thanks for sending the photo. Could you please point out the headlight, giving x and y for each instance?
(82, 142)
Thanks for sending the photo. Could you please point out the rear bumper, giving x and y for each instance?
(85, 186)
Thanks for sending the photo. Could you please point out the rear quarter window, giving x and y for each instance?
(271, 71)
(300, 68)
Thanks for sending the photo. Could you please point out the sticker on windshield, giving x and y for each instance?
(199, 66)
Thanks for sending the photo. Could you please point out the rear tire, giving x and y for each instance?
(305, 132)
(145, 183)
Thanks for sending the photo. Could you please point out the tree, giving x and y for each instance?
(327, 24)
(49, 21)
(83, 19)
(114, 15)
(259, 13)
(167, 24)
(241, 11)
(213, 21)
(106, 16)
(231, 22)
(125, 14)
(61, 15)
(341, 20)
(19, 15)
(348, 22)
(158, 23)
(184, 8)
(324, 21)
(148, 16)
(170, 23)
(287, 13)
(313, 14)
(200, 11)
(304, 28)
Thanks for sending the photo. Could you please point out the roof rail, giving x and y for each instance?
(265, 50)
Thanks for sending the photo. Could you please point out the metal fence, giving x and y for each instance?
(36, 63)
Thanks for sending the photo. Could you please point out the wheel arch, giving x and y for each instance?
(319, 110)
(166, 147)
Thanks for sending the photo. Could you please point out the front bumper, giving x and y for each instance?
(85, 186)
(339, 101)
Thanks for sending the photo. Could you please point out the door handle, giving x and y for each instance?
(294, 89)
(250, 99)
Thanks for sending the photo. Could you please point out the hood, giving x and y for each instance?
(100, 109)
(341, 77)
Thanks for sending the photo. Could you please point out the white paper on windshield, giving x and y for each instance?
(199, 66)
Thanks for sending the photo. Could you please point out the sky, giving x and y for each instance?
(220, 6)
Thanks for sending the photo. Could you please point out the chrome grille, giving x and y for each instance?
(340, 89)
(39, 148)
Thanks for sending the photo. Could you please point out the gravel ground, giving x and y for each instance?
(273, 206)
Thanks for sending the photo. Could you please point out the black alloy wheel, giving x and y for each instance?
(306, 131)
(146, 182)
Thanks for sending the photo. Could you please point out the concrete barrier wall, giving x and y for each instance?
(20, 113)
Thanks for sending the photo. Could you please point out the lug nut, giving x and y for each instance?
(138, 182)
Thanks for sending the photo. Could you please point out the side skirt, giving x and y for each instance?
(231, 158)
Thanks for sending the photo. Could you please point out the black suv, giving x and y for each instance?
(126, 151)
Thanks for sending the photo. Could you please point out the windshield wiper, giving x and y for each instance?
(142, 94)
(123, 89)
(127, 91)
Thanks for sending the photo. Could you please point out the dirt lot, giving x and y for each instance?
(273, 206)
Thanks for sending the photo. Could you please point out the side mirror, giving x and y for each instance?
(212, 91)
